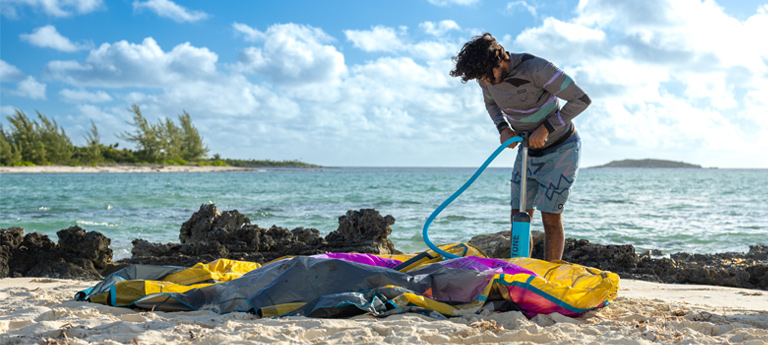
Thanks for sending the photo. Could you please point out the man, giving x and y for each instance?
(521, 94)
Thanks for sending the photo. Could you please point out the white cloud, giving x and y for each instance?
(184, 78)
(30, 88)
(378, 39)
(682, 27)
(621, 78)
(81, 6)
(440, 28)
(251, 34)
(569, 41)
(655, 93)
(390, 40)
(48, 37)
(301, 89)
(79, 96)
(513, 6)
(453, 2)
(378, 77)
(171, 10)
(234, 97)
(433, 50)
(292, 54)
(712, 88)
(108, 120)
(230, 110)
(387, 98)
(55, 8)
(385, 105)
(666, 77)
(7, 110)
(125, 64)
(9, 73)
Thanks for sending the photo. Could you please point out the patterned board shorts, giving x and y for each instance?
(550, 176)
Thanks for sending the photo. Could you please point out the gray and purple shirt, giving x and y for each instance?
(527, 97)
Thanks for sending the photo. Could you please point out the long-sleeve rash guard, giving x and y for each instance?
(528, 96)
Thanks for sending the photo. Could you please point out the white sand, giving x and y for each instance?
(41, 310)
(143, 168)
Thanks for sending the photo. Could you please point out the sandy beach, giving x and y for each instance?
(42, 310)
(144, 168)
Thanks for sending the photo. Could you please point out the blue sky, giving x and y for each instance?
(365, 83)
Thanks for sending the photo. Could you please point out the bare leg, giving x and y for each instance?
(554, 239)
(530, 242)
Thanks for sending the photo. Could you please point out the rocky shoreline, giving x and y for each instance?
(211, 234)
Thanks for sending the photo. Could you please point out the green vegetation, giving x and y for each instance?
(33, 143)
(267, 163)
(29, 142)
(165, 141)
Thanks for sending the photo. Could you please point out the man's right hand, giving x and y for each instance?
(506, 134)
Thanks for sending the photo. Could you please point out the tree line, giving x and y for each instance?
(29, 142)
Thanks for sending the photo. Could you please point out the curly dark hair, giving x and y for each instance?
(478, 58)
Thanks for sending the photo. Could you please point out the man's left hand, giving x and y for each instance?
(539, 137)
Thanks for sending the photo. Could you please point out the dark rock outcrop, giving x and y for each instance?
(10, 239)
(363, 231)
(210, 234)
(614, 258)
(741, 270)
(77, 255)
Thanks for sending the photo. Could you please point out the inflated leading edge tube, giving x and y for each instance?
(425, 231)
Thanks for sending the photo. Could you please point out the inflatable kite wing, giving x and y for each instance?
(347, 284)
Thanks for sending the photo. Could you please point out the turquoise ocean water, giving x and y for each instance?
(674, 210)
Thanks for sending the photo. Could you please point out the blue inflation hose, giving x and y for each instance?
(425, 232)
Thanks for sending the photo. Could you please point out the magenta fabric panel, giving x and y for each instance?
(368, 259)
(485, 264)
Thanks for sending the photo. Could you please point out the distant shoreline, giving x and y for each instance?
(118, 168)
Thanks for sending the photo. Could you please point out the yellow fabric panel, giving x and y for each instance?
(220, 270)
(280, 309)
(579, 286)
(440, 307)
(101, 298)
(131, 290)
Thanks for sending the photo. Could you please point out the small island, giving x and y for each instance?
(648, 163)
